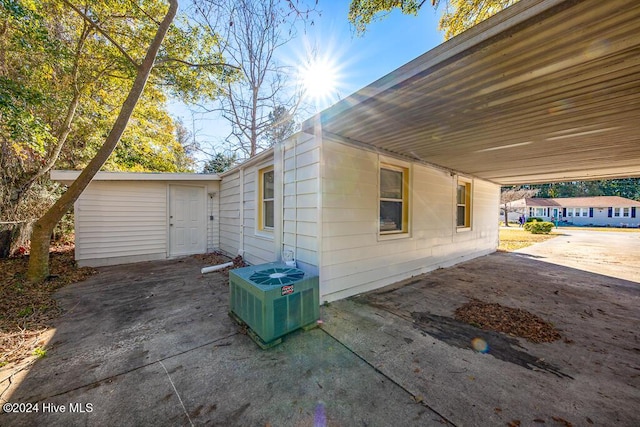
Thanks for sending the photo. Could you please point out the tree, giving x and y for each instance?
(511, 194)
(626, 187)
(185, 161)
(62, 81)
(254, 30)
(220, 163)
(40, 238)
(281, 125)
(459, 15)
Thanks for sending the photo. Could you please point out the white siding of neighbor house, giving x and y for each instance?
(355, 258)
(600, 217)
(239, 230)
(127, 221)
(301, 170)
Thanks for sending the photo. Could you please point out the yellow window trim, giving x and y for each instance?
(261, 199)
(405, 197)
(467, 203)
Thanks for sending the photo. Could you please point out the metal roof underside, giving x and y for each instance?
(546, 90)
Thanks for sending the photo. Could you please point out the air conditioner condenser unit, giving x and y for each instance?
(273, 300)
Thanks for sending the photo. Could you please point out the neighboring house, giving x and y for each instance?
(610, 211)
(130, 217)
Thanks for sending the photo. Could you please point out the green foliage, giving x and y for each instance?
(461, 15)
(281, 125)
(27, 311)
(220, 163)
(626, 187)
(539, 227)
(534, 219)
(63, 82)
(40, 352)
(363, 12)
(458, 15)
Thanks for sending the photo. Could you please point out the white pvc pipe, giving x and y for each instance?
(216, 267)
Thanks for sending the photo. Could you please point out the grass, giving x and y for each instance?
(512, 239)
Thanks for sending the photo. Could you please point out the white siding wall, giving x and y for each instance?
(258, 245)
(239, 190)
(121, 220)
(301, 170)
(230, 214)
(356, 259)
(213, 219)
(126, 221)
(600, 217)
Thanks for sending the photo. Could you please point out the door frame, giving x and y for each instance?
(203, 213)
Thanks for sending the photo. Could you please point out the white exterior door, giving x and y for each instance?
(187, 225)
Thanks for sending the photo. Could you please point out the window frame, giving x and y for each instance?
(262, 200)
(468, 203)
(405, 202)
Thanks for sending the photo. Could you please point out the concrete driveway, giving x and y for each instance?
(151, 344)
(612, 253)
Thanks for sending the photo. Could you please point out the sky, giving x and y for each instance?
(357, 60)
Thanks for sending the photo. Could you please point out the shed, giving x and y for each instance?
(129, 217)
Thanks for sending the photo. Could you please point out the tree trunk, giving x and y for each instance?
(506, 216)
(42, 229)
(13, 236)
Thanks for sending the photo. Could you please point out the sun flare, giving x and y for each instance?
(319, 78)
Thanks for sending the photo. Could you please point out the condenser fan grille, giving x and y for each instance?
(276, 276)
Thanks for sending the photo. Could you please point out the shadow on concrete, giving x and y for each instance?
(151, 344)
(590, 376)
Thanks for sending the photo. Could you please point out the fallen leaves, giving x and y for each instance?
(514, 321)
(26, 309)
(217, 258)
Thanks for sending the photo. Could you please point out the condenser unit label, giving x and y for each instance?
(286, 290)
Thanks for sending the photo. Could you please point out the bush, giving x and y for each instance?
(534, 219)
(536, 227)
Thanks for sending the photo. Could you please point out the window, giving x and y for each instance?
(625, 212)
(463, 204)
(616, 212)
(569, 211)
(541, 212)
(394, 199)
(266, 194)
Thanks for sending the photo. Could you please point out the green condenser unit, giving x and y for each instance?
(273, 300)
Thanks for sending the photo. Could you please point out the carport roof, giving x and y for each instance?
(546, 90)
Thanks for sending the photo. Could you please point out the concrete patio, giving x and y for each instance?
(151, 344)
